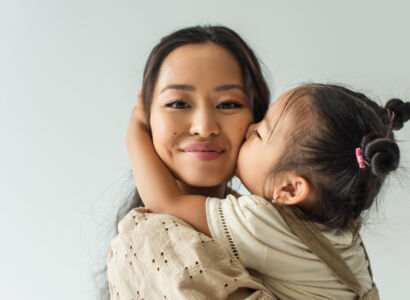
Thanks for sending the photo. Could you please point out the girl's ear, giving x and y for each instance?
(292, 190)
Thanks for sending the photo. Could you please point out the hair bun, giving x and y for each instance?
(401, 112)
(383, 155)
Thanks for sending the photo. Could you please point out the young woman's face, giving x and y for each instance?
(200, 114)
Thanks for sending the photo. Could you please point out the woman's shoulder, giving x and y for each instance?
(141, 219)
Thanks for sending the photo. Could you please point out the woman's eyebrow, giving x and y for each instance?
(226, 87)
(183, 87)
(191, 88)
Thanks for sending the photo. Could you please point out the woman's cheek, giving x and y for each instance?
(163, 142)
(238, 130)
(239, 137)
(162, 135)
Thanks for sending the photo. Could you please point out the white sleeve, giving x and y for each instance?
(242, 225)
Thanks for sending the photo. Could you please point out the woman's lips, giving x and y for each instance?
(203, 152)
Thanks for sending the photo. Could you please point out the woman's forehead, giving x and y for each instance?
(200, 64)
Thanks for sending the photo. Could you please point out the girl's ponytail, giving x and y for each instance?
(382, 154)
(400, 112)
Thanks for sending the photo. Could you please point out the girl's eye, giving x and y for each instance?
(229, 105)
(257, 134)
(177, 104)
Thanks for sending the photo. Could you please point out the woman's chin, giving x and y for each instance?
(205, 180)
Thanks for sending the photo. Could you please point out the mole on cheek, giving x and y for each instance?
(175, 133)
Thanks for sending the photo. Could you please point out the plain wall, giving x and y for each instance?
(69, 74)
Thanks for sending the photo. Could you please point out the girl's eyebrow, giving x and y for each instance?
(268, 127)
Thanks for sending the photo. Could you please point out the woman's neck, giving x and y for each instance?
(213, 191)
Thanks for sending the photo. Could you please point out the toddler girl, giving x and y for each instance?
(314, 164)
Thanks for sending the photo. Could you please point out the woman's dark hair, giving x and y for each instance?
(255, 85)
(331, 122)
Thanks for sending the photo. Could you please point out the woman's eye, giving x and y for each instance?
(229, 105)
(177, 104)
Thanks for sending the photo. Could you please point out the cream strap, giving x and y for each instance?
(319, 245)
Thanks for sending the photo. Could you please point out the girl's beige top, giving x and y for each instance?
(296, 259)
(158, 256)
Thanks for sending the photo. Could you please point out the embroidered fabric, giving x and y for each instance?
(226, 231)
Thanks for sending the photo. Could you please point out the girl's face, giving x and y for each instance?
(263, 147)
(200, 114)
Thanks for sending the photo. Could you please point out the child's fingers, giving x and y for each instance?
(137, 118)
(141, 107)
(140, 101)
(132, 125)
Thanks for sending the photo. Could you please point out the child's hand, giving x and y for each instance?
(140, 109)
(138, 122)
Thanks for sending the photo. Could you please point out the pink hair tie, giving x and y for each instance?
(360, 159)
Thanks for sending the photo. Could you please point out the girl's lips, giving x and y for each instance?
(203, 152)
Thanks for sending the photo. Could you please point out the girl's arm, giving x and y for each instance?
(155, 183)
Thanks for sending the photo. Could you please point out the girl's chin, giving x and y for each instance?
(237, 172)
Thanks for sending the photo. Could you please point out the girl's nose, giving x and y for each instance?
(250, 130)
(204, 124)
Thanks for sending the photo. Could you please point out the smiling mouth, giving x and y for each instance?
(203, 148)
(204, 155)
(203, 152)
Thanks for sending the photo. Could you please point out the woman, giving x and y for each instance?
(201, 86)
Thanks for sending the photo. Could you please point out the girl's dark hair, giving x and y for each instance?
(256, 87)
(331, 122)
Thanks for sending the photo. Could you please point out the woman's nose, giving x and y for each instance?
(204, 124)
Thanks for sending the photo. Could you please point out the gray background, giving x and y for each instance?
(69, 73)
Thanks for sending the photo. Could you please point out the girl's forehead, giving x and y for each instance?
(278, 118)
(278, 106)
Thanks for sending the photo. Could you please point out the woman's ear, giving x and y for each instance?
(291, 190)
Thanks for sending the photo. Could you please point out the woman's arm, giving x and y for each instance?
(155, 183)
